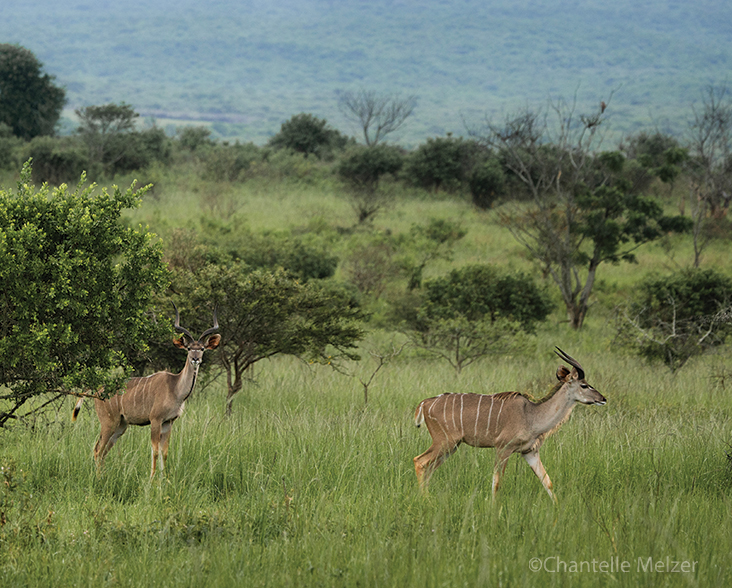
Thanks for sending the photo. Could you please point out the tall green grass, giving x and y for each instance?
(306, 486)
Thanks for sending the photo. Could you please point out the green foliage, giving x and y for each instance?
(113, 145)
(674, 318)
(442, 163)
(299, 258)
(428, 243)
(228, 163)
(476, 311)
(10, 146)
(487, 183)
(362, 167)
(309, 135)
(77, 286)
(194, 138)
(30, 102)
(265, 313)
(302, 256)
(56, 160)
(484, 292)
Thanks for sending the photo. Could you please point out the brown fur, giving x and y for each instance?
(511, 422)
(156, 400)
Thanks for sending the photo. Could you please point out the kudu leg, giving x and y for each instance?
(165, 440)
(426, 463)
(534, 461)
(499, 469)
(107, 438)
(155, 435)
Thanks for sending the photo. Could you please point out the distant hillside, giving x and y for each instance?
(245, 66)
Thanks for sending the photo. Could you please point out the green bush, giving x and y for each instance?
(309, 135)
(487, 183)
(674, 318)
(443, 163)
(362, 167)
(77, 286)
(480, 292)
(475, 311)
(10, 146)
(56, 160)
(229, 163)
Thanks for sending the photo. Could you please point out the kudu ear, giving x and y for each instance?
(180, 343)
(562, 373)
(213, 341)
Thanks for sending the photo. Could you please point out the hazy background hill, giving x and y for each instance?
(245, 66)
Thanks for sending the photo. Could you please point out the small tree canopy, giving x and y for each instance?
(77, 286)
(673, 318)
(309, 135)
(264, 313)
(30, 102)
(476, 311)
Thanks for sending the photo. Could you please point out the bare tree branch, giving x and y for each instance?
(377, 115)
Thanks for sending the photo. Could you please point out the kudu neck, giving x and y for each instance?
(187, 378)
(551, 412)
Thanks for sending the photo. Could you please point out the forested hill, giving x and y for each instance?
(247, 65)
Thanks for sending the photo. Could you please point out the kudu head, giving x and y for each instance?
(196, 347)
(576, 386)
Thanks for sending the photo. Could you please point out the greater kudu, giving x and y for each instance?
(156, 400)
(508, 421)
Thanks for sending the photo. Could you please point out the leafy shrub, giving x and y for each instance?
(476, 311)
(363, 167)
(230, 163)
(137, 150)
(9, 148)
(676, 317)
(487, 183)
(194, 138)
(309, 135)
(443, 163)
(479, 292)
(77, 285)
(56, 160)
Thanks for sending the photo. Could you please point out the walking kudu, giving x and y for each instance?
(155, 400)
(508, 421)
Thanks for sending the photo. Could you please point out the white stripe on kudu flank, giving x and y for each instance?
(462, 429)
(498, 418)
(477, 416)
(490, 412)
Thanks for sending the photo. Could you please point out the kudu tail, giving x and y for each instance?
(77, 408)
(419, 415)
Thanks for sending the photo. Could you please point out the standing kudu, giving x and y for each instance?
(156, 400)
(508, 421)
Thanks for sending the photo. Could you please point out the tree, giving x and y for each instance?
(427, 243)
(583, 211)
(77, 288)
(377, 115)
(310, 135)
(99, 126)
(362, 170)
(442, 163)
(487, 183)
(673, 318)
(710, 165)
(30, 102)
(476, 311)
(265, 313)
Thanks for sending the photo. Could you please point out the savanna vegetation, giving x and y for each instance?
(351, 281)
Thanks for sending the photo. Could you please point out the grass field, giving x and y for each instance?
(304, 485)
